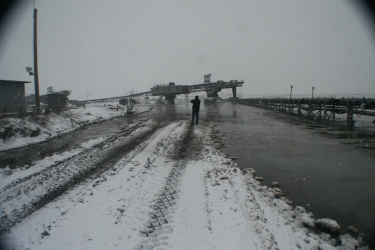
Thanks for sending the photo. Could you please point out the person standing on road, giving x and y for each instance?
(196, 105)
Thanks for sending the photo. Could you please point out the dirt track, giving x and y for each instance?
(24, 194)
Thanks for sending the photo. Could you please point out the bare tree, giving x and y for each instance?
(131, 102)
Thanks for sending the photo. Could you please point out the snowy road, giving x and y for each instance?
(173, 190)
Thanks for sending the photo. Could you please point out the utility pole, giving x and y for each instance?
(291, 88)
(290, 98)
(312, 93)
(36, 78)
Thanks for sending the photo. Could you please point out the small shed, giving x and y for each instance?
(12, 96)
(125, 101)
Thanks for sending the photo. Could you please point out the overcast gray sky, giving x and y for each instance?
(107, 47)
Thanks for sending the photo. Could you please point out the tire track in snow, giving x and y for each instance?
(123, 199)
(195, 218)
(162, 218)
(56, 180)
(191, 226)
(158, 227)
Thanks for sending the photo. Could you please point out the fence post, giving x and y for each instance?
(320, 110)
(291, 111)
(349, 115)
(333, 113)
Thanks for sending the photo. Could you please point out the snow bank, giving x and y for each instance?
(328, 224)
(19, 132)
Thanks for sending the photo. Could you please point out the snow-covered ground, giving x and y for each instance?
(175, 190)
(20, 132)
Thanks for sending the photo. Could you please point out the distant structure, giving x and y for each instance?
(50, 90)
(169, 91)
(55, 100)
(207, 78)
(211, 88)
(12, 96)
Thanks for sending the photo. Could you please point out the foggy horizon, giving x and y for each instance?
(107, 48)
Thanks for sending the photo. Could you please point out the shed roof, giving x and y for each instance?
(13, 81)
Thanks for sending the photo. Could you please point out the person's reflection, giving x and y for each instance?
(161, 110)
(171, 112)
(234, 113)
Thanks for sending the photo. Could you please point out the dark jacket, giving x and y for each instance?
(196, 104)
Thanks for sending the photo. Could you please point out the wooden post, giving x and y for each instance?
(309, 107)
(291, 111)
(320, 110)
(333, 114)
(349, 115)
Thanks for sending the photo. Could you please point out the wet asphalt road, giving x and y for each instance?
(332, 178)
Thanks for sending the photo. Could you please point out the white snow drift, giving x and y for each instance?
(19, 132)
